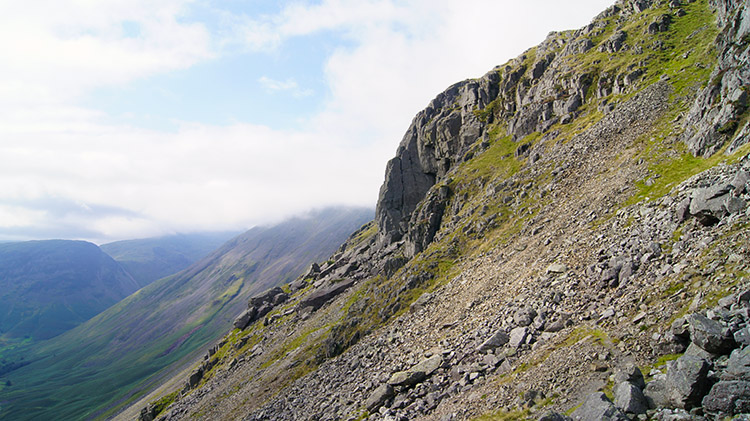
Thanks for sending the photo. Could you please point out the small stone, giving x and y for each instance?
(557, 268)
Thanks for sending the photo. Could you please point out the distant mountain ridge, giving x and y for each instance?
(48, 287)
(149, 259)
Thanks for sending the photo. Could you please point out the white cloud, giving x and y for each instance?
(54, 51)
(131, 181)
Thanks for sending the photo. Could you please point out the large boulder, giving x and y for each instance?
(632, 374)
(406, 378)
(738, 365)
(429, 365)
(518, 337)
(712, 203)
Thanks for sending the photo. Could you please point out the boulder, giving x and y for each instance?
(656, 392)
(707, 204)
(245, 318)
(557, 268)
(518, 337)
(406, 378)
(687, 381)
(629, 398)
(322, 295)
(378, 397)
(499, 339)
(195, 377)
(429, 365)
(710, 334)
(598, 407)
(524, 316)
(728, 398)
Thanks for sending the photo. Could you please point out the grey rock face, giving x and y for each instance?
(630, 399)
(710, 335)
(660, 24)
(436, 140)
(614, 43)
(598, 407)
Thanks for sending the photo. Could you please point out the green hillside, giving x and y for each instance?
(149, 259)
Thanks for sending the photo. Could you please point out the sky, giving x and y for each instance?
(128, 119)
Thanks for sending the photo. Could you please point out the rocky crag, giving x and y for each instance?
(566, 236)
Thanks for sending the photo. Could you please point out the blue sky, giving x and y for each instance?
(132, 118)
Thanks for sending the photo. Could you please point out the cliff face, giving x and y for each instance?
(719, 113)
(540, 230)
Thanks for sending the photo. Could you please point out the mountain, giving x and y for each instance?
(568, 230)
(149, 259)
(49, 287)
(91, 370)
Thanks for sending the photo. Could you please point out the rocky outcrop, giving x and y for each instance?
(260, 305)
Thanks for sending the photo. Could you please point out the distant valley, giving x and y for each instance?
(109, 360)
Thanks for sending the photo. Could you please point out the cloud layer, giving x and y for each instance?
(67, 170)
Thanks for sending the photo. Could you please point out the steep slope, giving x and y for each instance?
(118, 354)
(539, 229)
(149, 259)
(49, 287)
